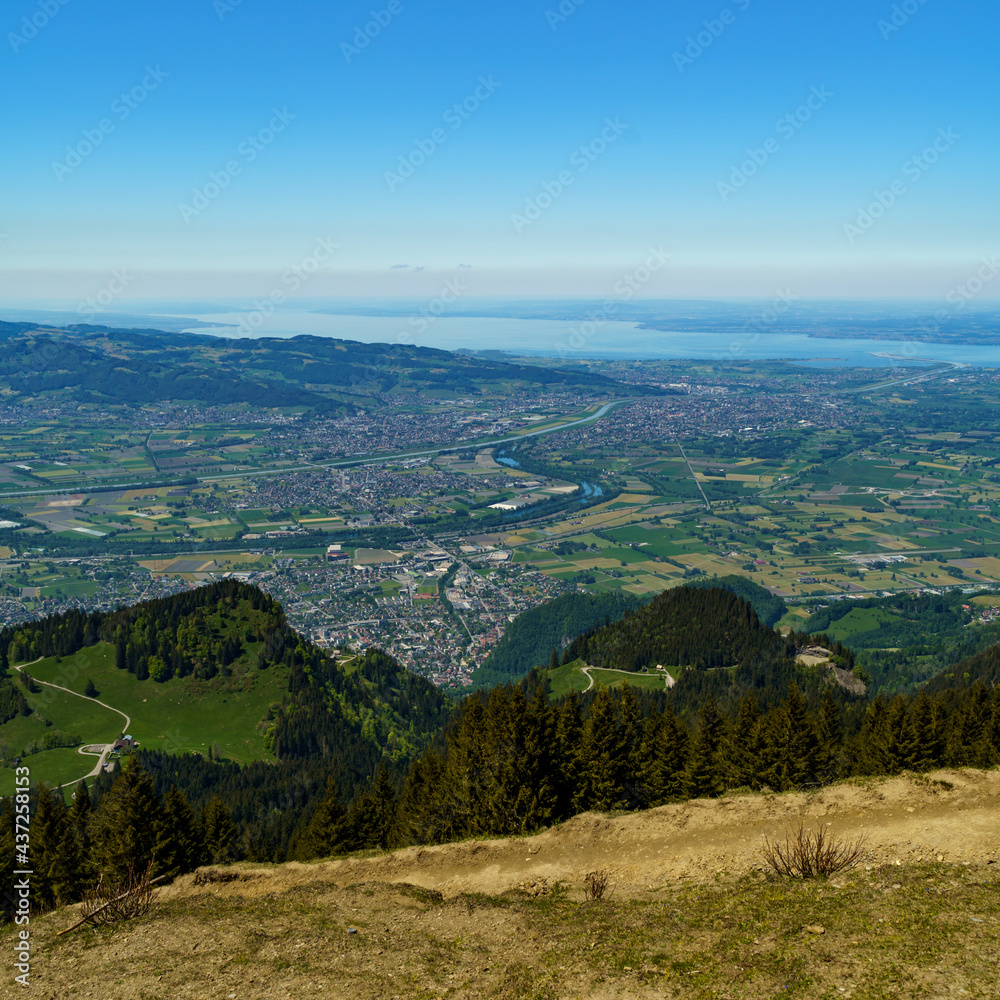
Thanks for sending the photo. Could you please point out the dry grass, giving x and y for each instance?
(911, 931)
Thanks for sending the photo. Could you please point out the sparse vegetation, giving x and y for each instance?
(816, 853)
(595, 885)
(115, 900)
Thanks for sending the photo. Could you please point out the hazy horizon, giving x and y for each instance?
(535, 150)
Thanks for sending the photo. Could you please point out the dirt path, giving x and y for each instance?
(667, 679)
(106, 751)
(953, 815)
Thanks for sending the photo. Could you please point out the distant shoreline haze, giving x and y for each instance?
(827, 333)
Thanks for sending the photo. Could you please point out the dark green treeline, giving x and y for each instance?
(513, 761)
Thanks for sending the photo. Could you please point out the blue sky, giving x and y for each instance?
(699, 158)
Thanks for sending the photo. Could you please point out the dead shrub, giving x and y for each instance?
(812, 853)
(596, 884)
(113, 901)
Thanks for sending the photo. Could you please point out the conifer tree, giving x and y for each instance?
(969, 742)
(872, 746)
(56, 856)
(7, 850)
(895, 734)
(793, 749)
(831, 739)
(742, 748)
(600, 785)
(566, 754)
(465, 771)
(420, 819)
(321, 838)
(371, 818)
(180, 844)
(921, 748)
(506, 729)
(630, 748)
(704, 770)
(218, 831)
(80, 813)
(664, 758)
(991, 750)
(123, 828)
(537, 802)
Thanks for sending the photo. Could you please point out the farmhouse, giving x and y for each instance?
(124, 744)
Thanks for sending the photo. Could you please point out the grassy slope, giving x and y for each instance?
(569, 677)
(55, 767)
(178, 716)
(692, 913)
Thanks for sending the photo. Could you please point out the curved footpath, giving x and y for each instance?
(667, 679)
(104, 750)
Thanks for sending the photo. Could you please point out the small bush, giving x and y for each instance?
(595, 885)
(812, 853)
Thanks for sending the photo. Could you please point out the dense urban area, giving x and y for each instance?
(424, 522)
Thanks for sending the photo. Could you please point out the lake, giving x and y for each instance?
(568, 339)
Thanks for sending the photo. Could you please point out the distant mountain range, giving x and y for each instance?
(94, 364)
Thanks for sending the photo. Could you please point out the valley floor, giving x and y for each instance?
(691, 912)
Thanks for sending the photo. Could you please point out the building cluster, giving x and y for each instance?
(705, 414)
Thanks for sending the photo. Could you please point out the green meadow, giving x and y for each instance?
(180, 715)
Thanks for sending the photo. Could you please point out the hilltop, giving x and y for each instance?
(691, 912)
(216, 671)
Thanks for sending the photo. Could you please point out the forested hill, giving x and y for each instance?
(221, 637)
(510, 760)
(530, 638)
(769, 607)
(100, 365)
(981, 670)
(685, 626)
